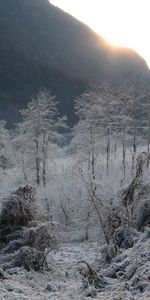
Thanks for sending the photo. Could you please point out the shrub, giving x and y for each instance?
(30, 259)
(19, 208)
(44, 236)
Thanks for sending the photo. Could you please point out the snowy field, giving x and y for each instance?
(64, 282)
(61, 282)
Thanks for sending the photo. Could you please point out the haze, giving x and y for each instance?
(120, 22)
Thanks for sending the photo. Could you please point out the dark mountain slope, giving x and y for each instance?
(41, 46)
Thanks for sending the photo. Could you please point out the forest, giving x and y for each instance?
(74, 203)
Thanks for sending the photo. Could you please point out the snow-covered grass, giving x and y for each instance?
(63, 281)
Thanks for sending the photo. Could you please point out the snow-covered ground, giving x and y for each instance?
(63, 281)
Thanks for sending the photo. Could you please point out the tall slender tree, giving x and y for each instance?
(39, 128)
(6, 147)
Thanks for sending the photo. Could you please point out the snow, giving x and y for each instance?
(63, 282)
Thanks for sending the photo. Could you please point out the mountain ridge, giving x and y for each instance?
(42, 46)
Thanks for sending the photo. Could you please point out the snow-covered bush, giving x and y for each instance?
(25, 241)
(125, 237)
(132, 266)
(143, 218)
(19, 208)
(44, 236)
(29, 258)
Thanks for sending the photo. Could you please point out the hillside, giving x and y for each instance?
(41, 46)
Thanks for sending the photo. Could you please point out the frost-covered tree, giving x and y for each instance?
(109, 121)
(6, 148)
(95, 111)
(109, 118)
(38, 130)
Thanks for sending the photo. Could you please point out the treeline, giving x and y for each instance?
(78, 178)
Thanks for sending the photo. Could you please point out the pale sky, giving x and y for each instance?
(121, 22)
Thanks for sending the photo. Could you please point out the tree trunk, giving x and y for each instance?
(23, 167)
(37, 164)
(124, 153)
(87, 226)
(44, 173)
(116, 141)
(148, 145)
(134, 139)
(108, 149)
(44, 152)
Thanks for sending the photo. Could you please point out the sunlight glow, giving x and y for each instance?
(121, 22)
